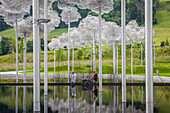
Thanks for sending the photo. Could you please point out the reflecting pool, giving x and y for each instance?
(67, 99)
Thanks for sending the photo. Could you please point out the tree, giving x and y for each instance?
(166, 42)
(79, 54)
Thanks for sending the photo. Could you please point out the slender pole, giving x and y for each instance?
(132, 72)
(73, 58)
(91, 59)
(117, 59)
(117, 79)
(100, 49)
(94, 52)
(100, 59)
(54, 64)
(25, 58)
(141, 54)
(16, 22)
(142, 65)
(123, 53)
(69, 51)
(148, 56)
(114, 63)
(45, 59)
(36, 49)
(154, 54)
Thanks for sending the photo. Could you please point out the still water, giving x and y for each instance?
(64, 99)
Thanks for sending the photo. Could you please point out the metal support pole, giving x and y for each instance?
(68, 51)
(73, 58)
(45, 59)
(36, 55)
(117, 79)
(91, 58)
(154, 54)
(100, 59)
(25, 58)
(117, 59)
(114, 63)
(142, 65)
(54, 64)
(141, 54)
(148, 56)
(45, 51)
(100, 49)
(132, 71)
(123, 53)
(16, 22)
(94, 52)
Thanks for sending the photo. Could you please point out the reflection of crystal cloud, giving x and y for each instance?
(81, 106)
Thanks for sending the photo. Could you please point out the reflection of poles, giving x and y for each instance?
(123, 53)
(132, 73)
(117, 79)
(100, 101)
(155, 94)
(36, 57)
(154, 54)
(114, 95)
(114, 63)
(25, 100)
(94, 106)
(54, 64)
(25, 58)
(148, 56)
(45, 103)
(16, 101)
(68, 99)
(94, 52)
(16, 51)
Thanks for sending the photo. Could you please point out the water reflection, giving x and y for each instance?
(67, 99)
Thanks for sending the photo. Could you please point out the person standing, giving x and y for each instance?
(95, 77)
(73, 79)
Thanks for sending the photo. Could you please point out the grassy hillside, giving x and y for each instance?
(53, 34)
(163, 14)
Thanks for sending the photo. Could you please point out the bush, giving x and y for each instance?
(162, 44)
